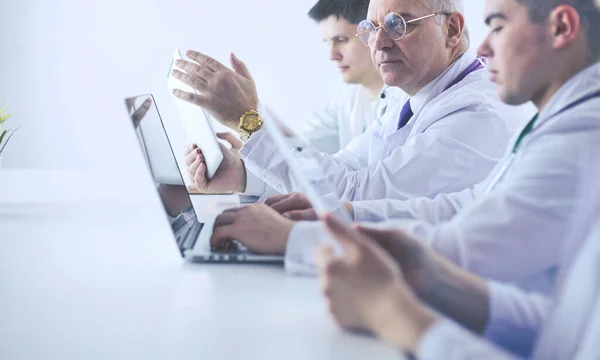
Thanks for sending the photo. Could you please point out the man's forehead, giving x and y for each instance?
(378, 9)
(334, 27)
(498, 8)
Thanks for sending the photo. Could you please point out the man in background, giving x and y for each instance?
(364, 98)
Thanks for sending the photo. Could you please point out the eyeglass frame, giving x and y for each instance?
(376, 29)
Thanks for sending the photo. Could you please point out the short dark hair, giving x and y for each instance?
(354, 11)
(589, 14)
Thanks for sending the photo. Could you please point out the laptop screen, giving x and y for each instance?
(165, 172)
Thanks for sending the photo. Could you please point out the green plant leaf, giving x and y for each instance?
(7, 139)
(3, 135)
(3, 118)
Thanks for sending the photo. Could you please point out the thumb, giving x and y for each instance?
(239, 67)
(227, 136)
(324, 255)
(349, 238)
(386, 238)
(302, 215)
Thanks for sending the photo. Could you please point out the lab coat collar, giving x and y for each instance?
(437, 86)
(577, 87)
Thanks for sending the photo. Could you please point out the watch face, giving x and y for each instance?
(251, 122)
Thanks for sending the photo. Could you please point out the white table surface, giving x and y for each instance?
(98, 276)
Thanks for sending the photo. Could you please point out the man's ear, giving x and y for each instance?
(565, 26)
(455, 25)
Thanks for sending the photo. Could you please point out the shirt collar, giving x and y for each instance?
(439, 84)
(581, 85)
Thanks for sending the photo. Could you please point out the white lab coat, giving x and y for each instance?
(526, 213)
(529, 326)
(452, 142)
(332, 128)
(347, 116)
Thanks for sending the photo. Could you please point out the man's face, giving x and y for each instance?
(416, 59)
(349, 54)
(518, 51)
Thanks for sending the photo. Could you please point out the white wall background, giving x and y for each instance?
(66, 65)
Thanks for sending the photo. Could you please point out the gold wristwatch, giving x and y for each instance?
(250, 122)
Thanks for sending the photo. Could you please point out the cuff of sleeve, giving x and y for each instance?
(255, 186)
(252, 143)
(302, 243)
(511, 325)
(499, 310)
(447, 340)
(437, 341)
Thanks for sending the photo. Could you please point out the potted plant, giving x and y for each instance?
(5, 134)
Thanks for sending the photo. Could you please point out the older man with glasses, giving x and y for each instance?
(446, 138)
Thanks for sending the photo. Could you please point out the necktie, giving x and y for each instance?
(405, 115)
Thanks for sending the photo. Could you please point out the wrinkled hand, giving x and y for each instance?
(297, 207)
(257, 226)
(229, 177)
(286, 203)
(224, 93)
(236, 144)
(365, 289)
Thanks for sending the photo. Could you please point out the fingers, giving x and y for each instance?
(236, 144)
(193, 68)
(233, 210)
(293, 202)
(191, 153)
(383, 237)
(239, 67)
(200, 174)
(205, 60)
(324, 255)
(302, 215)
(197, 82)
(191, 98)
(226, 218)
(196, 158)
(348, 237)
(201, 72)
(222, 234)
(275, 199)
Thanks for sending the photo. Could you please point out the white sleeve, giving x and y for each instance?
(262, 158)
(446, 154)
(302, 243)
(516, 318)
(439, 209)
(447, 340)
(255, 186)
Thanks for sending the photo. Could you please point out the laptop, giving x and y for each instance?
(192, 235)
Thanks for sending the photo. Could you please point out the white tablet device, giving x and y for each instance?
(196, 121)
(305, 169)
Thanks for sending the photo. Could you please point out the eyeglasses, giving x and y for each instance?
(393, 24)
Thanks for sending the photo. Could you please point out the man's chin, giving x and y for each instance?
(511, 98)
(349, 78)
(396, 79)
